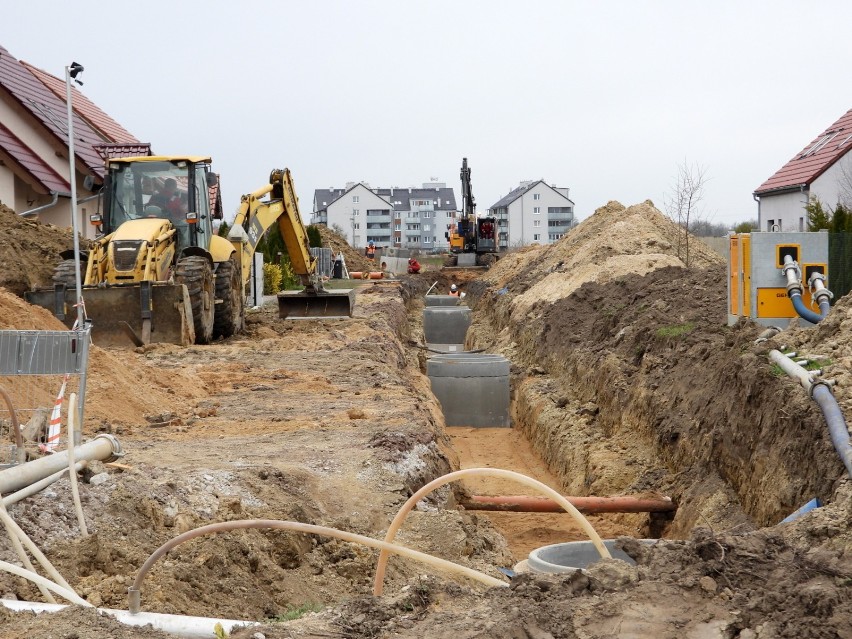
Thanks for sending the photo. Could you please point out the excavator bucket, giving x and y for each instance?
(299, 304)
(126, 316)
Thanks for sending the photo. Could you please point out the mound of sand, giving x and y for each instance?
(613, 242)
(123, 386)
(29, 251)
(355, 260)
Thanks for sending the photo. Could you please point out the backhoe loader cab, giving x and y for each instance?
(176, 190)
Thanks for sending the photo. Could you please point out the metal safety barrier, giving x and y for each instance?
(33, 367)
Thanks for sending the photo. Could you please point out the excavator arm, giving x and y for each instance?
(255, 216)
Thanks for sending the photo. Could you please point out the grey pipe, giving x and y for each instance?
(820, 392)
(821, 294)
(102, 448)
(792, 369)
(53, 202)
(822, 395)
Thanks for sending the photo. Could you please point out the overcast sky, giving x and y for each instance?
(606, 98)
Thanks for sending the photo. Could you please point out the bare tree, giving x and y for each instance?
(683, 203)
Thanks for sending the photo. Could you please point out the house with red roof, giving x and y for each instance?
(34, 178)
(822, 170)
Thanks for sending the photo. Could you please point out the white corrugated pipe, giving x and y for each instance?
(180, 625)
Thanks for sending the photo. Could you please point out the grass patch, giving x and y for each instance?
(777, 371)
(676, 330)
(299, 611)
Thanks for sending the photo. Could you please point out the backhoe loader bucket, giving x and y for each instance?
(126, 316)
(299, 304)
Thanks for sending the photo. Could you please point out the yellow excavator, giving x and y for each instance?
(158, 273)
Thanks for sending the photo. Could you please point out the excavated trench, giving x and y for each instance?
(606, 400)
(490, 443)
(637, 386)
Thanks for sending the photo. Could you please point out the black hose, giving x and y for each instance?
(803, 311)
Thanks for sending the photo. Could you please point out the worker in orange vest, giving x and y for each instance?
(371, 251)
(413, 266)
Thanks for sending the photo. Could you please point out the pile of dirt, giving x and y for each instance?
(615, 241)
(144, 389)
(355, 260)
(29, 251)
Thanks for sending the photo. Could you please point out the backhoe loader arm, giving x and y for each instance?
(256, 216)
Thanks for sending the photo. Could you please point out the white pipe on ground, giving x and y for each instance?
(40, 485)
(102, 448)
(72, 473)
(180, 625)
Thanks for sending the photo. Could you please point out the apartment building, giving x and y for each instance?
(412, 218)
(533, 213)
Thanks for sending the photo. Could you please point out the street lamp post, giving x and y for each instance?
(72, 72)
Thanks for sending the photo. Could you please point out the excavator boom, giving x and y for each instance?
(255, 216)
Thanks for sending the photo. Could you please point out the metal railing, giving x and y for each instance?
(33, 367)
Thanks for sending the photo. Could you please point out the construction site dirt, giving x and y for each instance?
(625, 380)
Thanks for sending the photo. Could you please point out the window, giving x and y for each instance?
(355, 198)
(801, 224)
(396, 227)
(427, 227)
(536, 237)
(356, 212)
(536, 196)
(427, 214)
(357, 225)
(555, 236)
(536, 210)
(536, 222)
(427, 240)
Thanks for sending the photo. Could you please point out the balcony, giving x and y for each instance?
(379, 232)
(561, 217)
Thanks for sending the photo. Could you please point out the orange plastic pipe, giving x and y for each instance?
(366, 275)
(528, 504)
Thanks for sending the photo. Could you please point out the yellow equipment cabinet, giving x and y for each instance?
(757, 288)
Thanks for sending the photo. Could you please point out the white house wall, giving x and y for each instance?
(831, 186)
(21, 196)
(783, 212)
(351, 215)
(528, 219)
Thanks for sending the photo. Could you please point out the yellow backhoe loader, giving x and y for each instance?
(255, 216)
(157, 272)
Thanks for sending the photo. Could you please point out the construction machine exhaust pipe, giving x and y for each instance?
(304, 305)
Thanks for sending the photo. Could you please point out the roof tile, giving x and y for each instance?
(30, 162)
(46, 107)
(84, 107)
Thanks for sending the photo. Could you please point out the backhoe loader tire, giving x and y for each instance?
(229, 316)
(64, 273)
(196, 273)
